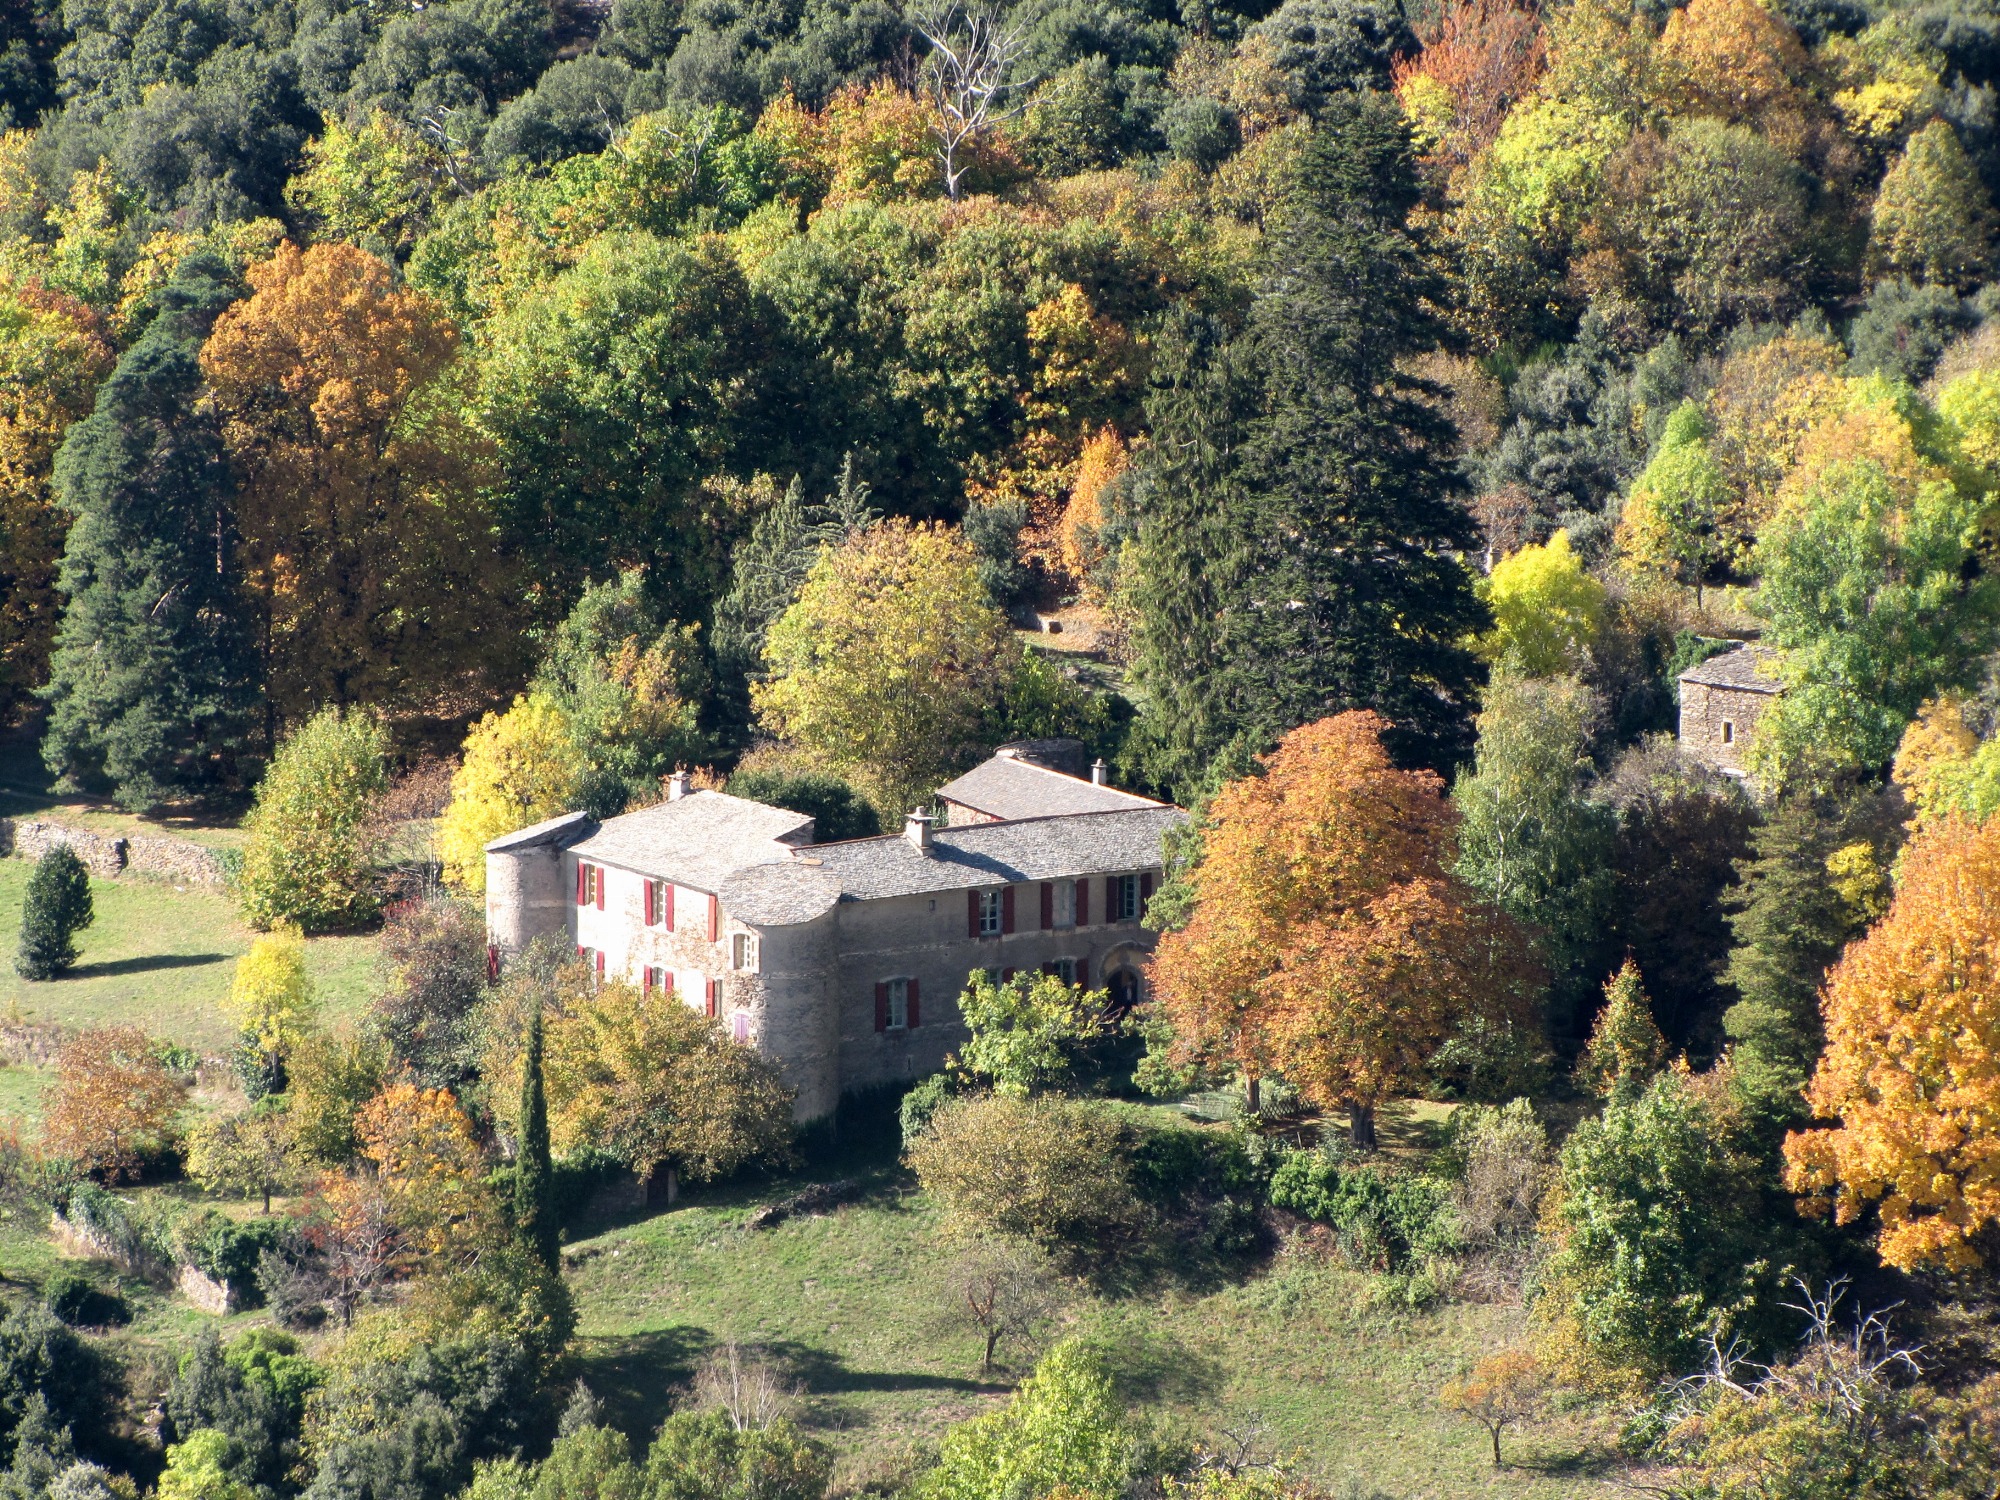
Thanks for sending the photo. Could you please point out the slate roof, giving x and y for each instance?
(1101, 843)
(1744, 669)
(698, 841)
(779, 895)
(560, 831)
(1007, 788)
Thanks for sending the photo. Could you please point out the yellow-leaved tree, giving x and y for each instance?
(886, 667)
(1546, 609)
(271, 997)
(1912, 1063)
(519, 768)
(1329, 940)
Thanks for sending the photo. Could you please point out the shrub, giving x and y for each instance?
(703, 1455)
(925, 1098)
(1028, 1033)
(57, 906)
(271, 1000)
(304, 862)
(1208, 1185)
(74, 1298)
(1063, 1433)
(1053, 1171)
(434, 968)
(113, 1104)
(1504, 1168)
(1387, 1221)
(40, 1356)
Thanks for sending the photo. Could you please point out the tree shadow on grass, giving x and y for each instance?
(1562, 1460)
(640, 1377)
(1150, 1368)
(114, 968)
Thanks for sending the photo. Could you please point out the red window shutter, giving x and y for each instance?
(667, 894)
(972, 914)
(1007, 976)
(708, 996)
(1048, 904)
(649, 902)
(1083, 903)
(1083, 973)
(581, 877)
(1007, 909)
(492, 963)
(882, 1006)
(1049, 967)
(913, 1017)
(1145, 893)
(579, 950)
(714, 917)
(1111, 898)
(646, 979)
(598, 872)
(600, 963)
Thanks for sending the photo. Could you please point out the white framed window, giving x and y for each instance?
(992, 907)
(994, 975)
(1065, 903)
(1064, 969)
(743, 953)
(656, 980)
(899, 1004)
(1124, 898)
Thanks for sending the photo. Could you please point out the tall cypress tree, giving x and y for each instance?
(1299, 544)
(534, 1213)
(152, 685)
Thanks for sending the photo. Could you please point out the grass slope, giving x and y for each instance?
(852, 1302)
(161, 957)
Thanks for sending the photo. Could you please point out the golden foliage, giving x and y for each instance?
(1329, 940)
(271, 998)
(430, 1167)
(520, 767)
(1480, 58)
(112, 1101)
(1735, 59)
(1502, 1390)
(362, 538)
(1912, 1065)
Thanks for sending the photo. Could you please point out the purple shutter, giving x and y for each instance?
(972, 914)
(1048, 904)
(1083, 973)
(1145, 893)
(580, 877)
(914, 1016)
(882, 1006)
(1007, 909)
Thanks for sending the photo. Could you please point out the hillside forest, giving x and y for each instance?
(1349, 419)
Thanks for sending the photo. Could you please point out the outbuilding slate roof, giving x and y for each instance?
(1745, 669)
(1049, 848)
(561, 831)
(699, 840)
(1008, 788)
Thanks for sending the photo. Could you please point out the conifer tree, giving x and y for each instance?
(1626, 1049)
(57, 906)
(152, 682)
(534, 1214)
(1322, 559)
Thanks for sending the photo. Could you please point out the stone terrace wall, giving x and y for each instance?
(178, 860)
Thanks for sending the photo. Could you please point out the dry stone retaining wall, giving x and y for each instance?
(178, 860)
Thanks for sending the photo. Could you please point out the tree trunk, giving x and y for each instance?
(1253, 1094)
(673, 1186)
(1361, 1126)
(1495, 1429)
(992, 1339)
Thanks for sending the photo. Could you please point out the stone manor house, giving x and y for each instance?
(844, 961)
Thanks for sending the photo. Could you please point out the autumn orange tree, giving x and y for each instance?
(363, 539)
(113, 1101)
(1912, 1063)
(1329, 941)
(428, 1162)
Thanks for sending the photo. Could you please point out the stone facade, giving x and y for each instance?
(1721, 701)
(842, 961)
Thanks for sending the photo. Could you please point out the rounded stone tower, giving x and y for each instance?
(792, 912)
(526, 896)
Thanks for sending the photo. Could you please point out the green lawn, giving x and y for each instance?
(161, 957)
(851, 1302)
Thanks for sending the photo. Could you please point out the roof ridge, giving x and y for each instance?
(1102, 786)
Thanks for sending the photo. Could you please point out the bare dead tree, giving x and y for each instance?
(1003, 1290)
(966, 75)
(751, 1392)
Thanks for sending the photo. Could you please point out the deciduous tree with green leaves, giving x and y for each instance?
(304, 862)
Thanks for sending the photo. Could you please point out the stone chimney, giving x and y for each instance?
(1097, 772)
(677, 786)
(917, 829)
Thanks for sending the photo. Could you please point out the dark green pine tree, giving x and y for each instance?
(56, 907)
(1298, 542)
(534, 1210)
(152, 685)
(1183, 555)
(1353, 593)
(1790, 924)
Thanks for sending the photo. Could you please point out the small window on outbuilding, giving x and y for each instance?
(1728, 732)
(743, 953)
